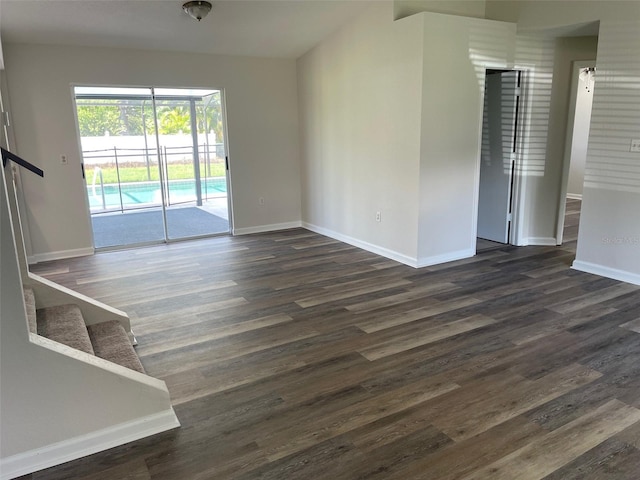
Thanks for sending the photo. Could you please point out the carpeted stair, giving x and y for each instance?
(111, 342)
(65, 324)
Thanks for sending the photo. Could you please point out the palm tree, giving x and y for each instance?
(174, 120)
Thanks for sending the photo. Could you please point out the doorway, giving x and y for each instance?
(155, 164)
(583, 75)
(497, 158)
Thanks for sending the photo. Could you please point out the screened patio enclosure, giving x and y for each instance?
(155, 163)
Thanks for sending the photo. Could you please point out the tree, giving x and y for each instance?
(135, 117)
(174, 119)
(95, 120)
(119, 117)
(210, 118)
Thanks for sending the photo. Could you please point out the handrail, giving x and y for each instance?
(97, 172)
(7, 155)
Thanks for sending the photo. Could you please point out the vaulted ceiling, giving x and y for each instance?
(265, 28)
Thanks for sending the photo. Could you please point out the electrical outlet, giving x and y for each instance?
(635, 145)
(378, 216)
(261, 201)
(63, 159)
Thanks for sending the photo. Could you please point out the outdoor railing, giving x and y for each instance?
(138, 155)
(140, 185)
(97, 172)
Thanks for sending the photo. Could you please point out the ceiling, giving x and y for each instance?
(264, 28)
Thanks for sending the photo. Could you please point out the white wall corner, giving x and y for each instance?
(447, 257)
(369, 247)
(608, 272)
(274, 227)
(59, 255)
(81, 446)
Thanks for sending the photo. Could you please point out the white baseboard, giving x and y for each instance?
(369, 247)
(266, 228)
(614, 273)
(542, 241)
(574, 196)
(447, 257)
(78, 447)
(45, 257)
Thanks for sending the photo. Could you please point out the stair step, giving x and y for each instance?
(111, 342)
(30, 304)
(64, 324)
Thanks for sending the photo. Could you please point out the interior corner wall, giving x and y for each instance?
(609, 232)
(262, 124)
(360, 102)
(457, 52)
(545, 177)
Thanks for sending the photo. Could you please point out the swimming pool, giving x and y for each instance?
(135, 195)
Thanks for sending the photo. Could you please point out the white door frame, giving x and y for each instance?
(518, 185)
(152, 89)
(568, 143)
(227, 159)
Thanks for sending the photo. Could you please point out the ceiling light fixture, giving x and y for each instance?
(197, 9)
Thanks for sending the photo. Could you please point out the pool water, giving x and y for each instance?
(148, 193)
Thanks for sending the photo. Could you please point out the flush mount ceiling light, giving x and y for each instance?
(197, 9)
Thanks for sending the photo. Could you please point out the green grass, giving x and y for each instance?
(135, 174)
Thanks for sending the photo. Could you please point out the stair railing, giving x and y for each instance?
(7, 155)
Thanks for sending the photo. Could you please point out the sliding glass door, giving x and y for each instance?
(155, 163)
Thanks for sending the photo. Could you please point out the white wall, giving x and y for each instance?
(580, 138)
(611, 195)
(339, 129)
(457, 50)
(551, 211)
(262, 130)
(360, 102)
(609, 232)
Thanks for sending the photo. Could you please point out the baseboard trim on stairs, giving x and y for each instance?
(602, 271)
(81, 446)
(59, 255)
(274, 227)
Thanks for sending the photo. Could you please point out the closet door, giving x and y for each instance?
(497, 161)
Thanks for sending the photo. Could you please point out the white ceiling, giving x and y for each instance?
(264, 28)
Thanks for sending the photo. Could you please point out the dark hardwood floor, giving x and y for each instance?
(293, 356)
